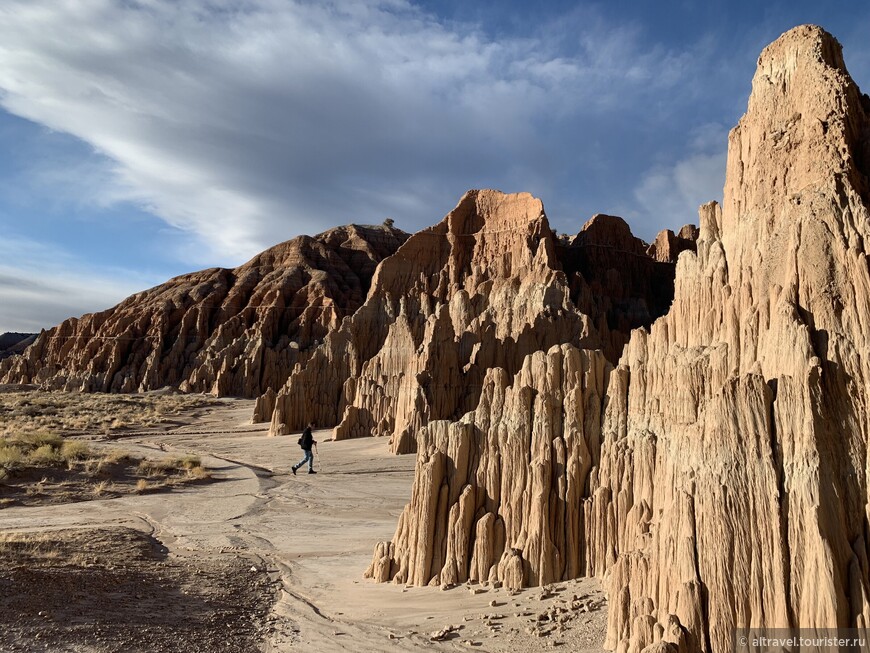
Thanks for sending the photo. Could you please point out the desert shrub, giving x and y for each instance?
(44, 455)
(199, 473)
(166, 466)
(74, 450)
(187, 462)
(38, 439)
(10, 457)
(147, 468)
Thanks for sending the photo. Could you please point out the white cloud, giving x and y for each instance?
(38, 286)
(245, 123)
(670, 194)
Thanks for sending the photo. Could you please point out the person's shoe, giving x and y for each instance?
(294, 471)
(311, 471)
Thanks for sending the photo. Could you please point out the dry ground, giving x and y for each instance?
(26, 409)
(40, 468)
(261, 530)
(117, 589)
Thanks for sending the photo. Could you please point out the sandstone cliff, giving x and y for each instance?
(732, 489)
(229, 332)
(481, 290)
(717, 477)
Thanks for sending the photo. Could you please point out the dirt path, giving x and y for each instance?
(309, 537)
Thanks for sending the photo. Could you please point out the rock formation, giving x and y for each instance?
(619, 281)
(717, 476)
(482, 289)
(732, 488)
(229, 332)
(668, 245)
(498, 494)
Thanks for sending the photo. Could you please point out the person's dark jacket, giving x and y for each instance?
(307, 439)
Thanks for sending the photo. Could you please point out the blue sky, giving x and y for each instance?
(147, 138)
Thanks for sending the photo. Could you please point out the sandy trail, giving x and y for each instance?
(312, 537)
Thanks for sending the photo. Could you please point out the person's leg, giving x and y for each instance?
(310, 461)
(304, 459)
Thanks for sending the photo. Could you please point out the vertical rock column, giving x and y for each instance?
(732, 489)
(498, 494)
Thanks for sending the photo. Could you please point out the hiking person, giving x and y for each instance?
(306, 441)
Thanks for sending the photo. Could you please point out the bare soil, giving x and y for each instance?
(173, 571)
(119, 589)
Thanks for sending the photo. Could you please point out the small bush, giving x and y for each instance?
(147, 468)
(188, 462)
(44, 455)
(39, 439)
(74, 450)
(199, 472)
(11, 457)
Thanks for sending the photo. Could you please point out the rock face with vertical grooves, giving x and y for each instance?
(732, 489)
(229, 332)
(717, 477)
(498, 494)
(619, 281)
(482, 289)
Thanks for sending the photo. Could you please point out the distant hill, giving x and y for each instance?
(229, 332)
(15, 343)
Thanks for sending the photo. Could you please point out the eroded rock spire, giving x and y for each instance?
(725, 483)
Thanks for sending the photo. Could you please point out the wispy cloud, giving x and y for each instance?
(42, 285)
(673, 191)
(244, 123)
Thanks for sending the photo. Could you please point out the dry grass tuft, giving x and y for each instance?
(74, 450)
(101, 488)
(91, 412)
(44, 468)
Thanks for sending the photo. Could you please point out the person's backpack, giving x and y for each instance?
(299, 442)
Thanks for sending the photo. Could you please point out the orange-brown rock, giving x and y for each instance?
(228, 332)
(482, 289)
(732, 488)
(668, 245)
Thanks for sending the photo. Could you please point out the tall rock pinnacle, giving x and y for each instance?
(734, 461)
(718, 476)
